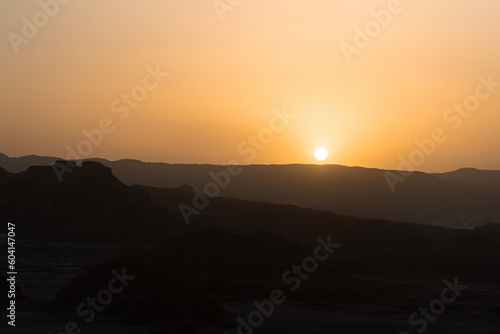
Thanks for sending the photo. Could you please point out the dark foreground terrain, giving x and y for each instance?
(98, 256)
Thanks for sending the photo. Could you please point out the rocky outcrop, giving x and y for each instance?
(89, 199)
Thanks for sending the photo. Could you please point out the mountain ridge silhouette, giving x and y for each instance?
(465, 197)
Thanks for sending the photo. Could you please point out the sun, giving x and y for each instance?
(321, 154)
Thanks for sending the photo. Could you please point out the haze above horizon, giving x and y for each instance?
(269, 84)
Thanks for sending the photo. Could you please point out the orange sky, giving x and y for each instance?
(227, 76)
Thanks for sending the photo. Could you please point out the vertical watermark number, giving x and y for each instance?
(11, 273)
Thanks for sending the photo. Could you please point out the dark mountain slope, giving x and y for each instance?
(485, 178)
(464, 198)
(89, 203)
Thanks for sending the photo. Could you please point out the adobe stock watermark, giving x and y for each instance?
(122, 107)
(31, 26)
(92, 305)
(454, 117)
(223, 6)
(293, 279)
(372, 29)
(249, 149)
(436, 307)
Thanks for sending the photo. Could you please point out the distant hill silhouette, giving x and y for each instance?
(466, 197)
(486, 178)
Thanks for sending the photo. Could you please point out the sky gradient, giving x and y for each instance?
(226, 79)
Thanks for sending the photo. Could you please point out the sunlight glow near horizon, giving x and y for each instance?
(227, 76)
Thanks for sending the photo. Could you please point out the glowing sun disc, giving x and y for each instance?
(321, 154)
